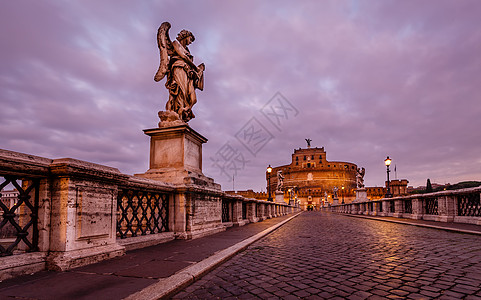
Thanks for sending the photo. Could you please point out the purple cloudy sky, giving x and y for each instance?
(368, 79)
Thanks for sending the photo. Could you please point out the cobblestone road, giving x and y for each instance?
(328, 256)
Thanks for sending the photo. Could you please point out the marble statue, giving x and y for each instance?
(183, 76)
(280, 181)
(334, 190)
(360, 177)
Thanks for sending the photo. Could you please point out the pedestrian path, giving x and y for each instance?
(449, 226)
(146, 273)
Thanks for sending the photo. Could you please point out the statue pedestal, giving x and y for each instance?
(335, 201)
(176, 156)
(361, 195)
(280, 197)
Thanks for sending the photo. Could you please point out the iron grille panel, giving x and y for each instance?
(469, 205)
(392, 207)
(225, 211)
(431, 206)
(141, 212)
(408, 206)
(244, 210)
(19, 222)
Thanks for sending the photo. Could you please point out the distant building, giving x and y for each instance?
(312, 178)
(9, 197)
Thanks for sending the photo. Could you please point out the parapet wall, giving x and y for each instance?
(459, 206)
(71, 213)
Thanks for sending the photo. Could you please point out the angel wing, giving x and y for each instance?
(166, 49)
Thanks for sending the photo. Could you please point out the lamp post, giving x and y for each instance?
(387, 161)
(269, 171)
(342, 189)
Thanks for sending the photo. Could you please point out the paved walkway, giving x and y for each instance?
(137, 270)
(329, 256)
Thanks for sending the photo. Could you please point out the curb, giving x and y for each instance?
(418, 224)
(166, 287)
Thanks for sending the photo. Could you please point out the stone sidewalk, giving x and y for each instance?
(141, 269)
(331, 256)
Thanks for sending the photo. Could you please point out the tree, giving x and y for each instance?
(429, 187)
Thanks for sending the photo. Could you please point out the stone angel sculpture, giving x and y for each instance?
(280, 181)
(183, 76)
(360, 177)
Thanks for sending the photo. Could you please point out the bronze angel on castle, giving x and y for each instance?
(183, 76)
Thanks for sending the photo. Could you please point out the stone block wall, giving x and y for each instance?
(85, 212)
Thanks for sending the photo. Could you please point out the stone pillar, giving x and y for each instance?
(398, 208)
(418, 211)
(447, 208)
(84, 206)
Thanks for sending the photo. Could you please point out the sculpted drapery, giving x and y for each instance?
(183, 76)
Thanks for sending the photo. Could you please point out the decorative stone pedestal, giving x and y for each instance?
(361, 195)
(280, 197)
(176, 156)
(335, 201)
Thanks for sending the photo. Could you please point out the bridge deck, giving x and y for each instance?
(316, 254)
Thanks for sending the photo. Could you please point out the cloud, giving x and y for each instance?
(369, 79)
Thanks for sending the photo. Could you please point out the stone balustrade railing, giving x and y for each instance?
(460, 206)
(71, 213)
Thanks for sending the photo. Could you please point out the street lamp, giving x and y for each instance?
(342, 189)
(269, 171)
(387, 161)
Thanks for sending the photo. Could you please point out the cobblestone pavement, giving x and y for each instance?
(328, 256)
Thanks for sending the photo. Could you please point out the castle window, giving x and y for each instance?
(297, 158)
(297, 163)
(312, 156)
(320, 156)
(308, 165)
(346, 167)
(304, 157)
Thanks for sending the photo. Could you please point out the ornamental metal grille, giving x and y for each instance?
(469, 205)
(141, 212)
(19, 221)
(431, 206)
(244, 210)
(225, 211)
(392, 207)
(408, 206)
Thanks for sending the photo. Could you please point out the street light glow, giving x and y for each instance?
(387, 161)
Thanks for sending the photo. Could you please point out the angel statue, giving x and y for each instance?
(360, 177)
(183, 76)
(280, 181)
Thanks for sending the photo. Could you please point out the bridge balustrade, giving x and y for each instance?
(462, 206)
(69, 213)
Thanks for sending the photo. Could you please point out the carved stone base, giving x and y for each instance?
(169, 119)
(280, 197)
(61, 261)
(176, 154)
(361, 195)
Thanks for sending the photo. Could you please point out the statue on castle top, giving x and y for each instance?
(360, 177)
(280, 181)
(308, 143)
(183, 76)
